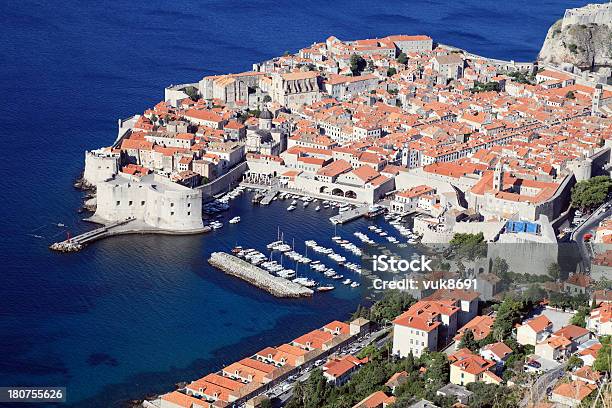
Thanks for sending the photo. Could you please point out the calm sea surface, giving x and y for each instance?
(133, 315)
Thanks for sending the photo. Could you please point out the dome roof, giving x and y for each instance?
(266, 114)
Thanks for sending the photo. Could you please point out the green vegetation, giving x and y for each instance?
(485, 87)
(579, 319)
(573, 362)
(388, 308)
(491, 395)
(565, 301)
(509, 313)
(603, 360)
(316, 392)
(469, 246)
(192, 92)
(573, 48)
(591, 193)
(468, 341)
(402, 58)
(570, 95)
(521, 77)
(267, 98)
(357, 64)
(391, 72)
(553, 271)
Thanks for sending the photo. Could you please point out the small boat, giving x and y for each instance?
(291, 208)
(347, 281)
(236, 249)
(325, 288)
(235, 220)
(318, 208)
(60, 224)
(306, 203)
(354, 284)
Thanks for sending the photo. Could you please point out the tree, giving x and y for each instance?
(570, 95)
(579, 319)
(391, 72)
(357, 64)
(509, 313)
(591, 193)
(553, 271)
(603, 361)
(468, 341)
(402, 58)
(192, 92)
(469, 246)
(266, 403)
(267, 98)
(391, 306)
(573, 362)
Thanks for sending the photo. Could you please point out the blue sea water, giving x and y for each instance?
(133, 315)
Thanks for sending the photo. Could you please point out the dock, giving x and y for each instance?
(270, 194)
(350, 215)
(77, 243)
(256, 276)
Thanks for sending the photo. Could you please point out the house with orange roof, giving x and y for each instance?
(577, 283)
(377, 399)
(599, 320)
(588, 375)
(554, 348)
(534, 331)
(573, 393)
(339, 370)
(214, 387)
(177, 399)
(423, 326)
(576, 334)
(315, 339)
(206, 118)
(498, 352)
(480, 326)
(468, 368)
(415, 198)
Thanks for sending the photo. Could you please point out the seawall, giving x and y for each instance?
(274, 285)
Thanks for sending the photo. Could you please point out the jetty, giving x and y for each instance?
(256, 276)
(270, 194)
(349, 215)
(77, 243)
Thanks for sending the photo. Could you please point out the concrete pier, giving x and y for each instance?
(261, 278)
(270, 194)
(349, 215)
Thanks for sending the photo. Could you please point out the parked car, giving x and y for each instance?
(534, 364)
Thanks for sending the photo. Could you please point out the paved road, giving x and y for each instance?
(282, 392)
(585, 228)
(538, 391)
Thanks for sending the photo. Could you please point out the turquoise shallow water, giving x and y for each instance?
(133, 315)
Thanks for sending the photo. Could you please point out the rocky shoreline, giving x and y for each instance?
(274, 285)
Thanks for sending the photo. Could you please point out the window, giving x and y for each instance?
(171, 204)
(130, 202)
(118, 203)
(188, 205)
(142, 203)
(171, 212)
(188, 213)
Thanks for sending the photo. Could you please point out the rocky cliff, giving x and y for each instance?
(586, 46)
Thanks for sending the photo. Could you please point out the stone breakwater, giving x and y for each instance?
(274, 285)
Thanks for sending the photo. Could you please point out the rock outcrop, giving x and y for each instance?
(584, 42)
